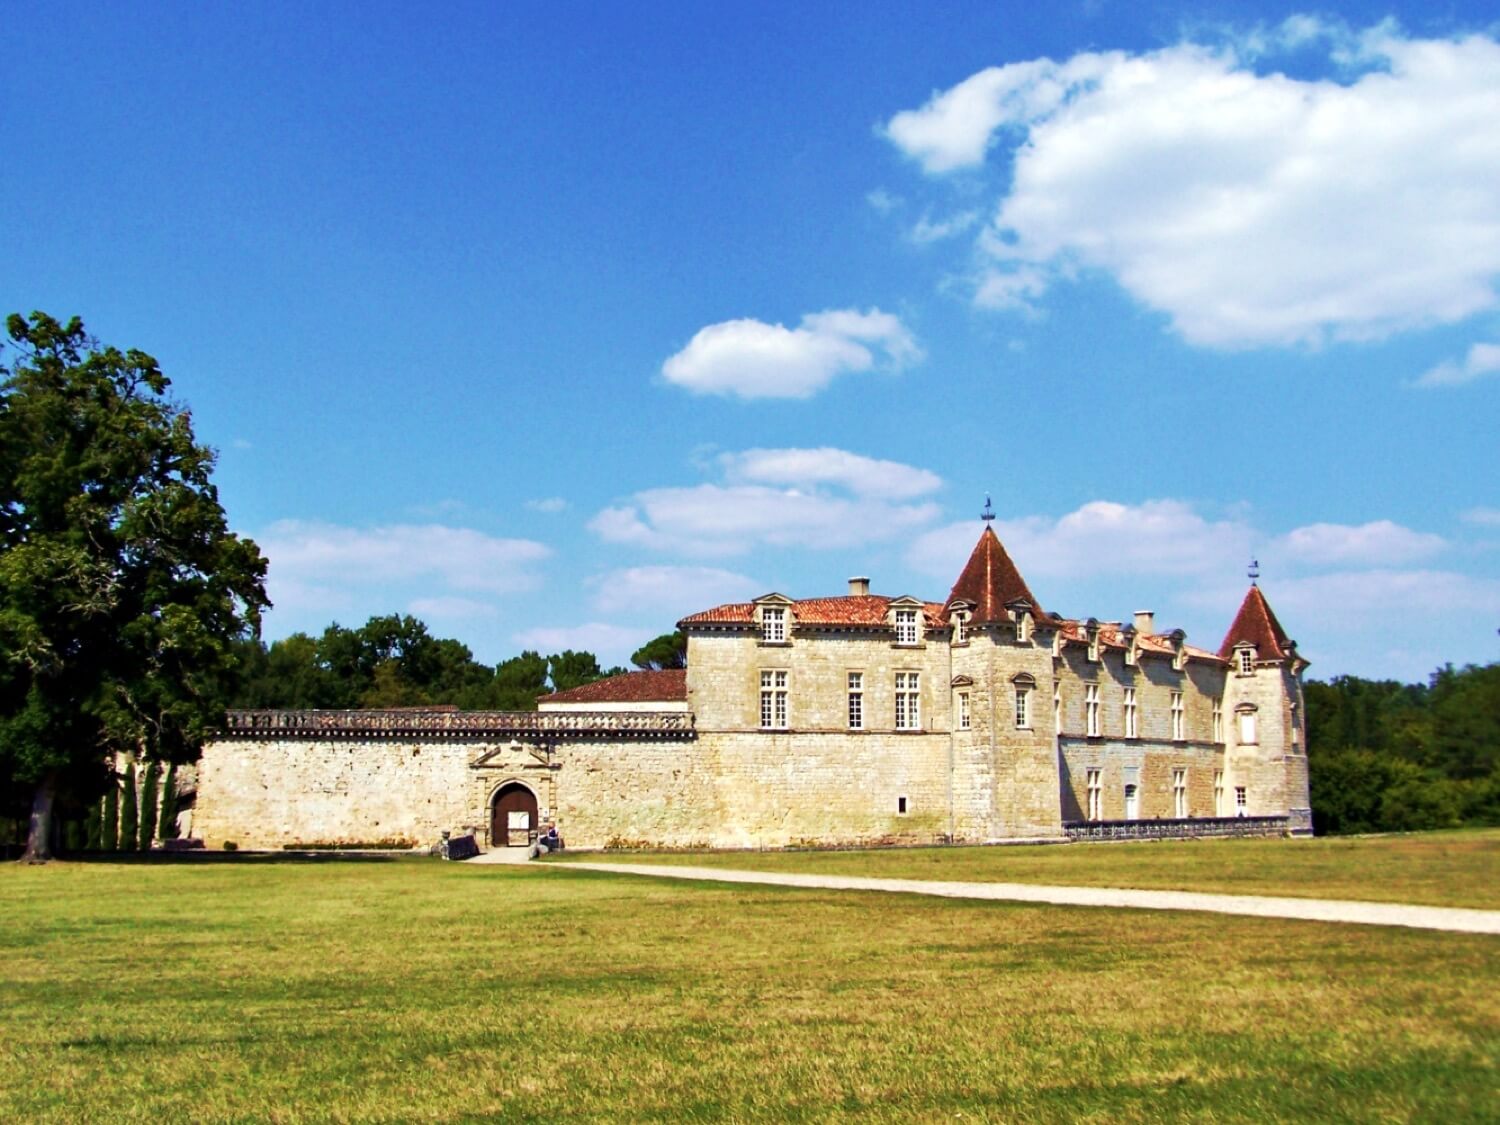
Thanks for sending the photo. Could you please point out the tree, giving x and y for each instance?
(569, 669)
(109, 840)
(130, 821)
(166, 828)
(519, 681)
(148, 806)
(122, 591)
(667, 651)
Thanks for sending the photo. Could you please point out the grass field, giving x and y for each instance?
(403, 990)
(1434, 868)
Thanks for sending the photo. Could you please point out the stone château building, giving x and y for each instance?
(859, 718)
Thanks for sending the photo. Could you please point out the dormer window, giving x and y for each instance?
(1023, 627)
(906, 626)
(960, 628)
(1246, 659)
(773, 624)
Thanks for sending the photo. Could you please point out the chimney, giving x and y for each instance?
(859, 587)
(1145, 621)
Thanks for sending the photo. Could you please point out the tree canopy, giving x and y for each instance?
(667, 651)
(122, 591)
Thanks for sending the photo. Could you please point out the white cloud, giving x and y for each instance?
(935, 230)
(1162, 537)
(669, 593)
(1481, 360)
(1252, 209)
(864, 476)
(752, 359)
(818, 498)
(612, 644)
(1369, 598)
(1378, 542)
(548, 504)
(324, 555)
(1483, 517)
(449, 609)
(882, 200)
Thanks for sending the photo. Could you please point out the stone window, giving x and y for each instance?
(1292, 729)
(1024, 684)
(1241, 805)
(1179, 718)
(773, 624)
(906, 626)
(908, 701)
(961, 628)
(1131, 726)
(1023, 627)
(1245, 715)
(1218, 792)
(1091, 709)
(1096, 794)
(1179, 794)
(856, 701)
(773, 699)
(1246, 660)
(1057, 708)
(1218, 721)
(901, 806)
(963, 710)
(1132, 802)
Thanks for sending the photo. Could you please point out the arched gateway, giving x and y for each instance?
(513, 818)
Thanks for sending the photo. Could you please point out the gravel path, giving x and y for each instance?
(1311, 909)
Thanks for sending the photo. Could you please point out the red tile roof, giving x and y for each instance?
(989, 580)
(857, 609)
(666, 686)
(1256, 624)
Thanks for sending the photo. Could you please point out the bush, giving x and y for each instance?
(231, 846)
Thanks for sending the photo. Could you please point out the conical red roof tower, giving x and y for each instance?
(990, 580)
(1256, 625)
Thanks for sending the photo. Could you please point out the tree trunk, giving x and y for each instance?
(39, 832)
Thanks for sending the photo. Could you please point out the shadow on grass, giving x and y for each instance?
(173, 859)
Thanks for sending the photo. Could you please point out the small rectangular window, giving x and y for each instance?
(1246, 716)
(773, 624)
(1091, 709)
(1132, 802)
(1218, 721)
(1179, 794)
(1240, 803)
(856, 701)
(1247, 661)
(773, 699)
(960, 628)
(906, 626)
(1130, 713)
(1179, 718)
(1057, 708)
(1096, 794)
(908, 701)
(1218, 792)
(963, 710)
(900, 806)
(1023, 707)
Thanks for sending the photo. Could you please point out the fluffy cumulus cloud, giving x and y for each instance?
(1162, 537)
(1370, 544)
(1250, 207)
(320, 571)
(752, 359)
(820, 498)
(1481, 360)
(667, 593)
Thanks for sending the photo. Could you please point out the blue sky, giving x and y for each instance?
(551, 323)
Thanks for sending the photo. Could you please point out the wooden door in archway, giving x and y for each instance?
(514, 817)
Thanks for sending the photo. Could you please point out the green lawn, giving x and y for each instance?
(1434, 868)
(404, 990)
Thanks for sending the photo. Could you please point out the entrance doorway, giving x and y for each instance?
(514, 817)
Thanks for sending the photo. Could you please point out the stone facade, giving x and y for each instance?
(854, 719)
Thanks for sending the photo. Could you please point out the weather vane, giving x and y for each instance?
(988, 515)
(1254, 570)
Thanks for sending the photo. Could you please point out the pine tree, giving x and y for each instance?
(148, 806)
(130, 821)
(109, 840)
(94, 839)
(166, 829)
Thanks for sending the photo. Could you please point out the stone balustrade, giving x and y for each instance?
(1176, 829)
(457, 724)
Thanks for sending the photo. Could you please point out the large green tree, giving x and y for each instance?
(122, 591)
(666, 651)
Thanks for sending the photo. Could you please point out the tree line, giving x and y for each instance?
(1384, 756)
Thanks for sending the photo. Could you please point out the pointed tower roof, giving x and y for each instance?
(990, 580)
(1257, 625)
